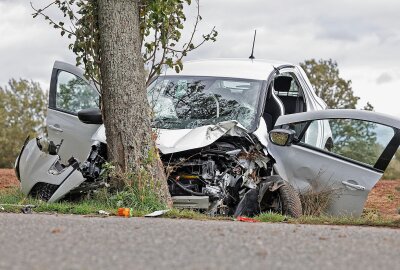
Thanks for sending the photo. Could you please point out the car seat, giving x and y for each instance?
(293, 102)
(273, 105)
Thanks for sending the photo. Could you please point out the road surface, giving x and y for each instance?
(40, 241)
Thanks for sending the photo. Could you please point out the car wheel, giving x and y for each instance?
(289, 201)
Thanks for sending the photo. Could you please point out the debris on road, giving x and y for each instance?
(246, 219)
(103, 213)
(125, 212)
(56, 230)
(157, 213)
(25, 208)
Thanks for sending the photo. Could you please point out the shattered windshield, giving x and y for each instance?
(188, 102)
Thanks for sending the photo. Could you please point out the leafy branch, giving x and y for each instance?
(161, 23)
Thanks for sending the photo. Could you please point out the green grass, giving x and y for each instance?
(361, 221)
(103, 201)
(271, 217)
(100, 201)
(83, 207)
(364, 220)
(186, 214)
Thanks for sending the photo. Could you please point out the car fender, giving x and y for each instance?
(35, 166)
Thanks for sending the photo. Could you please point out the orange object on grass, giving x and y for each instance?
(125, 212)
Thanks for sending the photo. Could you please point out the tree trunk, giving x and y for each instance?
(126, 111)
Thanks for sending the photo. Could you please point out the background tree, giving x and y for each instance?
(22, 113)
(334, 90)
(161, 25)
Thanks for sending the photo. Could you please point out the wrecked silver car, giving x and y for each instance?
(237, 137)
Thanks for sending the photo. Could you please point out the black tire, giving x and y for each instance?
(290, 201)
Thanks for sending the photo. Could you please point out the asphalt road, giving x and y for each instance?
(74, 242)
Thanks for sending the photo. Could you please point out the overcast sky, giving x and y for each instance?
(363, 36)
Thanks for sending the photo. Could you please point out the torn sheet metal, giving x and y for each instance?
(172, 141)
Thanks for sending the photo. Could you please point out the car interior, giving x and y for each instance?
(284, 96)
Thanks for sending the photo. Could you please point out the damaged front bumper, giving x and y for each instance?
(35, 167)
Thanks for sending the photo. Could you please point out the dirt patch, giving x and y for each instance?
(8, 178)
(385, 197)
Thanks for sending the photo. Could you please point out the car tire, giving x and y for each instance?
(290, 201)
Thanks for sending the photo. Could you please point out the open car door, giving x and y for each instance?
(69, 93)
(347, 157)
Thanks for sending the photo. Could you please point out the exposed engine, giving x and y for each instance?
(221, 173)
(91, 168)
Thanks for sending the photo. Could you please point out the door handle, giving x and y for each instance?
(55, 128)
(348, 184)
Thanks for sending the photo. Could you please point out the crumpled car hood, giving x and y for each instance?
(173, 141)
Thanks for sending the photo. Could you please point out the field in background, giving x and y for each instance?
(383, 200)
(7, 178)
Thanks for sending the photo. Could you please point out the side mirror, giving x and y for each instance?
(90, 116)
(282, 137)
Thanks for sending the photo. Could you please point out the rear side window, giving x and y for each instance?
(295, 89)
(74, 94)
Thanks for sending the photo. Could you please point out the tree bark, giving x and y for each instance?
(126, 111)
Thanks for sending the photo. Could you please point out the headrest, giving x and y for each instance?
(282, 83)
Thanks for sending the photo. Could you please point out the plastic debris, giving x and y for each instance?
(104, 213)
(246, 219)
(25, 208)
(125, 212)
(157, 213)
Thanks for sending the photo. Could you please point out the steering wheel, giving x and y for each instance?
(204, 104)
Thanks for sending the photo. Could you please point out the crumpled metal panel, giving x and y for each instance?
(173, 141)
(36, 167)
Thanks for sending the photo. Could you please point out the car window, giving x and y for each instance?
(186, 102)
(359, 140)
(74, 94)
(295, 88)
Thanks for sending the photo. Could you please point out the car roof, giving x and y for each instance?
(229, 68)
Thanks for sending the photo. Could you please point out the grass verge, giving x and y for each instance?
(85, 206)
(365, 220)
(102, 201)
(361, 221)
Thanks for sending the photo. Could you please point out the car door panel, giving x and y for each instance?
(348, 174)
(306, 168)
(76, 135)
(65, 100)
